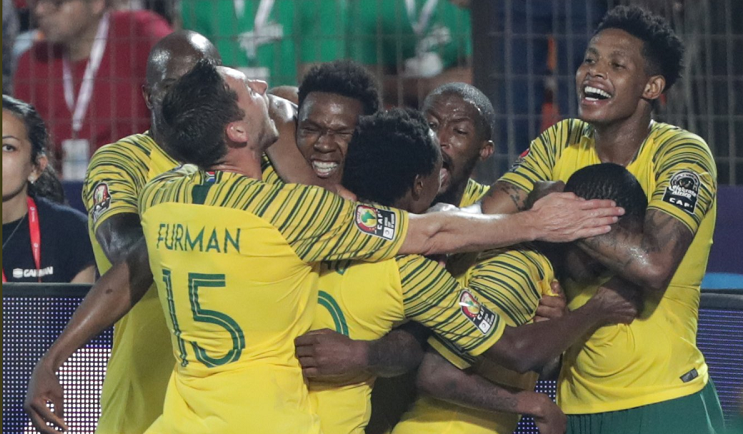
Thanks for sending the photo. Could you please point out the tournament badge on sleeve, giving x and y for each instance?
(377, 222)
(682, 191)
(101, 200)
(476, 312)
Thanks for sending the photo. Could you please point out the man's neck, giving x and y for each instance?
(80, 46)
(14, 208)
(618, 143)
(246, 163)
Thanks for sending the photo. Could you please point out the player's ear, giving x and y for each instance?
(486, 150)
(654, 87)
(417, 189)
(237, 132)
(146, 94)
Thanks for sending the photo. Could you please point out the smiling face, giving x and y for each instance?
(326, 122)
(454, 120)
(613, 79)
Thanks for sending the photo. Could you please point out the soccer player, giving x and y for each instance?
(139, 366)
(365, 300)
(232, 257)
(647, 377)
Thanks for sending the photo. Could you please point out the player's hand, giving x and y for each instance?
(542, 189)
(329, 354)
(616, 305)
(552, 306)
(44, 388)
(548, 418)
(564, 217)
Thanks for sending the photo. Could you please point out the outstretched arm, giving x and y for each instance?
(558, 217)
(440, 379)
(108, 300)
(531, 346)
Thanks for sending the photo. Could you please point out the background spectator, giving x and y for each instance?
(270, 40)
(86, 77)
(42, 240)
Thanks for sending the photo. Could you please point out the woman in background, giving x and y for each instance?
(43, 241)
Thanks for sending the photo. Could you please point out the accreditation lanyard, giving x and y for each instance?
(79, 107)
(35, 233)
(420, 24)
(261, 16)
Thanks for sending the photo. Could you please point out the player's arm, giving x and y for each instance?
(440, 379)
(531, 346)
(327, 354)
(109, 299)
(556, 218)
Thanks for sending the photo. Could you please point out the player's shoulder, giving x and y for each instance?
(566, 133)
(132, 149)
(521, 258)
(667, 135)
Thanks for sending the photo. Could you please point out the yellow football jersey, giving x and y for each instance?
(655, 358)
(512, 281)
(366, 300)
(233, 263)
(141, 361)
(473, 193)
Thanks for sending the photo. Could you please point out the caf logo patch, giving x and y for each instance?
(101, 200)
(476, 312)
(376, 221)
(682, 191)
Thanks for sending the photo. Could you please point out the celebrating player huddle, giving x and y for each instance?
(290, 250)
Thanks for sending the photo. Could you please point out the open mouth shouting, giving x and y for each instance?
(445, 173)
(325, 169)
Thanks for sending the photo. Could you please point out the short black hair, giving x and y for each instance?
(387, 151)
(663, 49)
(345, 78)
(196, 110)
(614, 182)
(486, 119)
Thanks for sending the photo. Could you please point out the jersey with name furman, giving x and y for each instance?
(655, 358)
(233, 261)
(512, 281)
(139, 368)
(366, 300)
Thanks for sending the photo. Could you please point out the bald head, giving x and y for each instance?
(172, 57)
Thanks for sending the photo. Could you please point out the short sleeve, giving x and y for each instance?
(322, 226)
(116, 174)
(433, 298)
(512, 282)
(538, 161)
(686, 178)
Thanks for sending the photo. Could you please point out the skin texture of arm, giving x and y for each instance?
(118, 234)
(559, 217)
(531, 346)
(440, 379)
(649, 258)
(110, 299)
(325, 354)
(504, 198)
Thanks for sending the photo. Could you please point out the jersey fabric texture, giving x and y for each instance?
(366, 300)
(268, 39)
(141, 361)
(62, 231)
(234, 260)
(512, 281)
(116, 108)
(655, 358)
